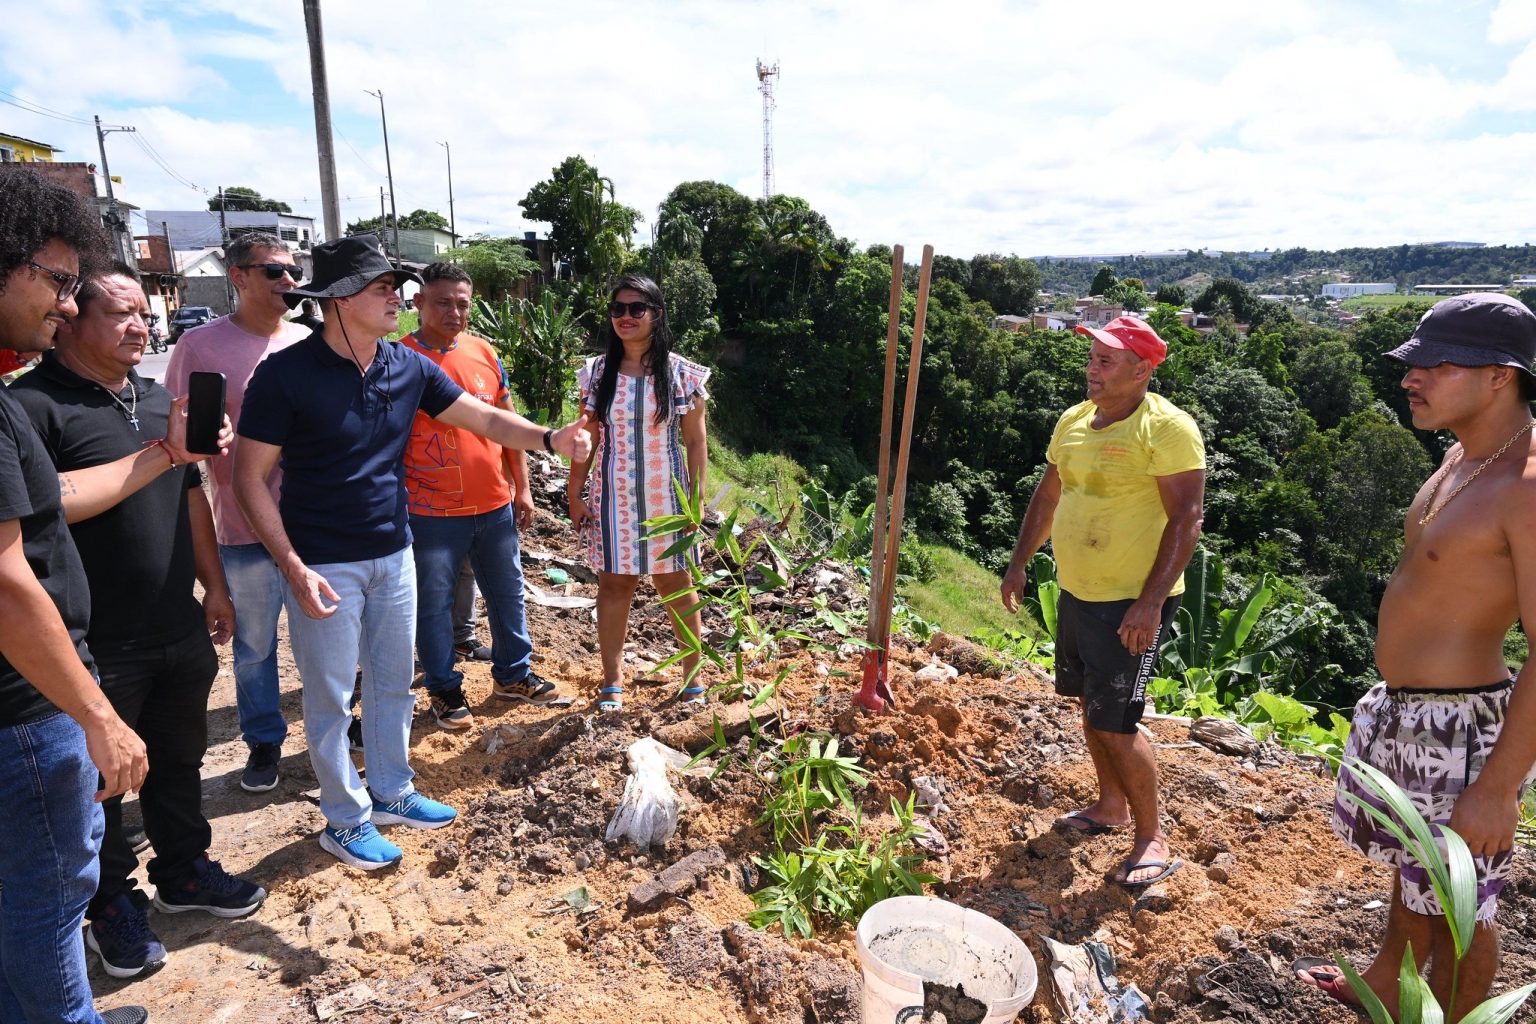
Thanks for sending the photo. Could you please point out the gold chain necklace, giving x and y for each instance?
(1433, 510)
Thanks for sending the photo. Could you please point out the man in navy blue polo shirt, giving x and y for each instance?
(336, 409)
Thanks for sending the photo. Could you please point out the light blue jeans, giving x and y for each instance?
(257, 590)
(372, 627)
(48, 871)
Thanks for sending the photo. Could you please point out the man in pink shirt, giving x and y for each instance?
(261, 269)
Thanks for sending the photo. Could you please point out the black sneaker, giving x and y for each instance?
(210, 889)
(451, 710)
(532, 689)
(136, 839)
(125, 1015)
(121, 937)
(473, 650)
(260, 773)
(355, 736)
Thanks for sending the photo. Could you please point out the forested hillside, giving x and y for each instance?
(1311, 464)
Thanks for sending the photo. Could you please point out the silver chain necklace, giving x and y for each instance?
(130, 412)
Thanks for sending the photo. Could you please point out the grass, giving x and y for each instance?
(408, 323)
(774, 480)
(962, 597)
(1364, 303)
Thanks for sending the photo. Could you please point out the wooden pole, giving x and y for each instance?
(908, 410)
(883, 473)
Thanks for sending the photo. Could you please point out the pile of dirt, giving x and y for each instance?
(520, 911)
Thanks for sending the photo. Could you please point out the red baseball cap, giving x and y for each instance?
(1131, 334)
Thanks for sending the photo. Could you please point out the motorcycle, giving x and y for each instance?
(156, 339)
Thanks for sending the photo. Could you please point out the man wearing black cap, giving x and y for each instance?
(1121, 501)
(337, 409)
(1449, 725)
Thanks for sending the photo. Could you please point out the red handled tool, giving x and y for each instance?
(875, 690)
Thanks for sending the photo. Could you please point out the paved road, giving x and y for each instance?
(153, 365)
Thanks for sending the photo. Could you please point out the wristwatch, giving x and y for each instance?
(547, 435)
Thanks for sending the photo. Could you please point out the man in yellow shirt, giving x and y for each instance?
(1122, 501)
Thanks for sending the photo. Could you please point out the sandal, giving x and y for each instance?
(693, 693)
(610, 699)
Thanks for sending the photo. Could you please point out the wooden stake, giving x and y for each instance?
(909, 409)
(883, 472)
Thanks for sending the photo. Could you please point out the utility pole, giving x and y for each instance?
(452, 228)
(170, 255)
(113, 217)
(229, 291)
(383, 218)
(324, 143)
(389, 172)
(765, 78)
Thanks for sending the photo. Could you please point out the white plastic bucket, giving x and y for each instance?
(919, 938)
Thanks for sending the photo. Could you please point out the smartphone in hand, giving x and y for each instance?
(205, 411)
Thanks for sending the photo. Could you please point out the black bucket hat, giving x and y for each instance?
(345, 266)
(1477, 329)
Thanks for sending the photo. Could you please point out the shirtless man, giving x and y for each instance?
(1449, 725)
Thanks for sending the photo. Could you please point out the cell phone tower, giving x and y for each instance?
(765, 79)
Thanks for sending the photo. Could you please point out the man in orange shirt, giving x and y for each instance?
(468, 498)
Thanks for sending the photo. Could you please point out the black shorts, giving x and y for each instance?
(1093, 665)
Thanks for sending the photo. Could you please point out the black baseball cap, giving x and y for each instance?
(1477, 329)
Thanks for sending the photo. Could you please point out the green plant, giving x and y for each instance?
(1240, 649)
(1019, 645)
(1454, 880)
(738, 576)
(1525, 832)
(823, 864)
(538, 343)
(1042, 605)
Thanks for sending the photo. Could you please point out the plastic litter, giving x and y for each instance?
(648, 810)
(1084, 986)
(558, 576)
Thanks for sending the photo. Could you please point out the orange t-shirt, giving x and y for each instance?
(451, 472)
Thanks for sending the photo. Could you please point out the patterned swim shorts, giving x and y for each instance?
(1433, 744)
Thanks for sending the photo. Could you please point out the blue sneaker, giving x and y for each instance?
(210, 889)
(414, 810)
(121, 937)
(361, 847)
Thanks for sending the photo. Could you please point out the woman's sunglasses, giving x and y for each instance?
(275, 270)
(637, 310)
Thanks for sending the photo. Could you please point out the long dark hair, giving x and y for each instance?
(658, 360)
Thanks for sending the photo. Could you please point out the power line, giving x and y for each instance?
(376, 172)
(159, 161)
(37, 108)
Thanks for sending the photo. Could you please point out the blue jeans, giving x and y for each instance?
(371, 627)
(256, 588)
(48, 871)
(463, 605)
(490, 541)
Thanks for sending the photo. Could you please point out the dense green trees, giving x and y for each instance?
(239, 197)
(416, 220)
(1310, 463)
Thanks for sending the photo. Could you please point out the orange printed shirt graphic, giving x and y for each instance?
(450, 472)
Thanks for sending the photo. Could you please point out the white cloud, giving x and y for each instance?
(1043, 126)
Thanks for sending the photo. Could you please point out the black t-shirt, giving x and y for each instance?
(29, 492)
(138, 553)
(343, 436)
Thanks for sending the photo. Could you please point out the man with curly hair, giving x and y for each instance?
(57, 730)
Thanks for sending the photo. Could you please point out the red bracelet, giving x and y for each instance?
(160, 443)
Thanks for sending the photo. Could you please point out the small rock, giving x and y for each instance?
(1154, 898)
(1373, 905)
(1226, 938)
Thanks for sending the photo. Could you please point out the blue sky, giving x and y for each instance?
(1050, 126)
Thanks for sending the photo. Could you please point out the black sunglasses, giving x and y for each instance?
(635, 309)
(69, 284)
(276, 270)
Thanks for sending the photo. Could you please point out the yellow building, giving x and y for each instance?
(15, 149)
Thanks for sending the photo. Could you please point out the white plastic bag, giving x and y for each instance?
(648, 810)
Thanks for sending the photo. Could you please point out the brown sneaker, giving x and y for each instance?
(532, 689)
(451, 710)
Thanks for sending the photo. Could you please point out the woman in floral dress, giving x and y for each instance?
(647, 416)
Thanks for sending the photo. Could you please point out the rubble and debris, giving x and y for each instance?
(1223, 736)
(678, 879)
